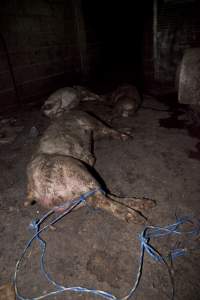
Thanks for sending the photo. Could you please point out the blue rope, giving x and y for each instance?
(145, 246)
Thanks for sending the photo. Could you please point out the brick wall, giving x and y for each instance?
(42, 47)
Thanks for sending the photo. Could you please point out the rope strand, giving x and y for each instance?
(145, 246)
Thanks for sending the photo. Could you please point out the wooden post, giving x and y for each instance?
(81, 36)
(155, 41)
(10, 69)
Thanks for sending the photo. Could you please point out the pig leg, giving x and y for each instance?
(30, 197)
(139, 204)
(127, 209)
(104, 131)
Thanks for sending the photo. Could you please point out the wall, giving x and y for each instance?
(42, 46)
(178, 29)
(54, 43)
(114, 35)
(93, 23)
(148, 51)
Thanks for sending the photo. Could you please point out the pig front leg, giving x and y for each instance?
(104, 131)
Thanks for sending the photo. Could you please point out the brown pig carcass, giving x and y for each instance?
(61, 168)
(125, 100)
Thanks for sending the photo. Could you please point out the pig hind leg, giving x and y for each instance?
(127, 209)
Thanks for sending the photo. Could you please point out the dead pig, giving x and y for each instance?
(67, 98)
(73, 134)
(57, 179)
(125, 100)
(61, 168)
(60, 101)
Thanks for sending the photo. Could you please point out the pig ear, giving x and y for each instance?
(59, 107)
(47, 106)
(62, 102)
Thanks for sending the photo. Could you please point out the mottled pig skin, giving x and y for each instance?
(60, 169)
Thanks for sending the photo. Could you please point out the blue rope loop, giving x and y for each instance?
(155, 231)
(177, 252)
(144, 237)
(145, 243)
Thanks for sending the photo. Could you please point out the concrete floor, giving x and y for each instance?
(91, 248)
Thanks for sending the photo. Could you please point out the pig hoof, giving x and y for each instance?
(135, 217)
(28, 203)
(128, 131)
(124, 136)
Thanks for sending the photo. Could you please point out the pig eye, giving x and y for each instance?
(47, 106)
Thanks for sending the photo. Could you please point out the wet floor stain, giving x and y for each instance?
(195, 154)
(173, 121)
(175, 109)
(192, 129)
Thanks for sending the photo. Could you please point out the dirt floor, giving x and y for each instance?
(89, 247)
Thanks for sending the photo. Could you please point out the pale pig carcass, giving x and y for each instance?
(60, 101)
(61, 168)
(66, 99)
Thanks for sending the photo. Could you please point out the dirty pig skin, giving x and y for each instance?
(126, 101)
(59, 170)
